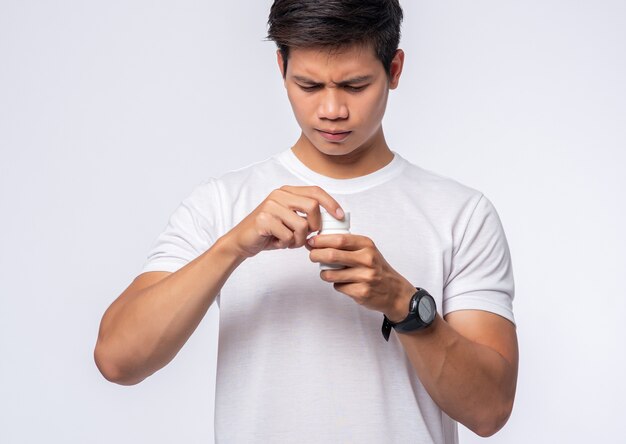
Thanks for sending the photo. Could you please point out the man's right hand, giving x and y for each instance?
(274, 224)
(149, 322)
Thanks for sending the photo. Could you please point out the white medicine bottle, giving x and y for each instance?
(331, 225)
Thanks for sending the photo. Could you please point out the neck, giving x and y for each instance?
(366, 159)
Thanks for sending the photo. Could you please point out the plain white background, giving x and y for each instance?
(111, 112)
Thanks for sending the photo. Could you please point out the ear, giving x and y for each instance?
(281, 63)
(396, 69)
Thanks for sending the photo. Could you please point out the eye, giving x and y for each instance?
(310, 88)
(355, 88)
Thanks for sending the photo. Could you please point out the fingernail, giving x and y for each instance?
(340, 213)
(311, 241)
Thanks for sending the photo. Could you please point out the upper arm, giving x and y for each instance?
(478, 293)
(102, 354)
(142, 281)
(488, 329)
(481, 271)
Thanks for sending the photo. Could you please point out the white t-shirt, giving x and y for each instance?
(298, 361)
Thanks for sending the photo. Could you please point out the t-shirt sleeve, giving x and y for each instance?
(481, 276)
(190, 231)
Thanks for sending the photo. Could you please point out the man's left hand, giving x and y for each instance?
(368, 278)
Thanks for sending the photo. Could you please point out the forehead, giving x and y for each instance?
(333, 63)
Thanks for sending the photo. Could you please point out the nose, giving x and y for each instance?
(332, 105)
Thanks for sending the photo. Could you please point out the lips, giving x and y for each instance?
(334, 135)
(337, 131)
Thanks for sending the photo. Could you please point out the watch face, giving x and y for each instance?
(426, 309)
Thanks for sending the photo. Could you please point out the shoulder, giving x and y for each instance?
(232, 181)
(438, 183)
(261, 173)
(439, 193)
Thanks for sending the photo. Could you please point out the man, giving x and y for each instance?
(301, 356)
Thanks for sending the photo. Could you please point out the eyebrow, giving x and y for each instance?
(351, 81)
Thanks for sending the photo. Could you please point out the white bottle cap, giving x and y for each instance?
(329, 222)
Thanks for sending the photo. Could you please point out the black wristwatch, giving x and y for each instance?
(422, 312)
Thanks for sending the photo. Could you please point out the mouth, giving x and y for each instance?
(334, 135)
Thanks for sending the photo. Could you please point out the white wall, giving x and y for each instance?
(111, 112)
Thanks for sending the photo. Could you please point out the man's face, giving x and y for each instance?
(339, 97)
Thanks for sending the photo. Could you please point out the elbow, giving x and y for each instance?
(110, 370)
(492, 420)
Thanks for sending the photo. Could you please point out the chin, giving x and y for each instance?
(335, 150)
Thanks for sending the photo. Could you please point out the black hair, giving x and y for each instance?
(335, 24)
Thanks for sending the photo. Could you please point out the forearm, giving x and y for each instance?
(472, 383)
(142, 332)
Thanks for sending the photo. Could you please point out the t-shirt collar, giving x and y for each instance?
(345, 186)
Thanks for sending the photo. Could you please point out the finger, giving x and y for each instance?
(350, 242)
(337, 257)
(297, 224)
(306, 205)
(342, 276)
(307, 246)
(348, 288)
(322, 197)
(273, 226)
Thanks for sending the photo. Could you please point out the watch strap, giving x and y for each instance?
(386, 328)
